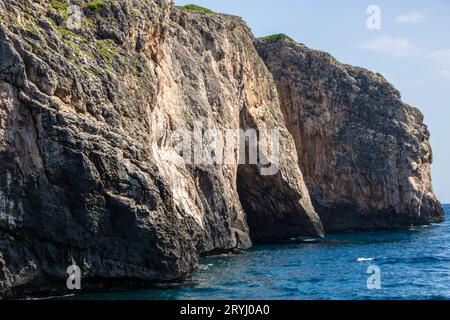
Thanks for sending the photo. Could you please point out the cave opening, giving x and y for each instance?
(249, 191)
(275, 205)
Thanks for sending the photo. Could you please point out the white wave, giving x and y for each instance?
(365, 259)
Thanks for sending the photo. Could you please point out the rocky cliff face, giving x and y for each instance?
(364, 153)
(90, 173)
(212, 74)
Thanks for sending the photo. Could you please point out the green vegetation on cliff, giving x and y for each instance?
(59, 5)
(193, 7)
(276, 37)
(95, 5)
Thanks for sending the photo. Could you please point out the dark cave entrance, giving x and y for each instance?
(249, 196)
(272, 203)
(273, 209)
(253, 188)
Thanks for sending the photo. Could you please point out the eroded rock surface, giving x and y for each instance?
(215, 76)
(89, 174)
(91, 171)
(365, 154)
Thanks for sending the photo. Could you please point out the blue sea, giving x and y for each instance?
(413, 264)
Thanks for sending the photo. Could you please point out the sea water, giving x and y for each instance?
(412, 264)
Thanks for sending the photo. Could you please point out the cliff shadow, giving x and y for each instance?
(272, 205)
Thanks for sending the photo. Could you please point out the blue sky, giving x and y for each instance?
(412, 50)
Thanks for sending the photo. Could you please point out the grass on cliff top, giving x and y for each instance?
(193, 7)
(276, 37)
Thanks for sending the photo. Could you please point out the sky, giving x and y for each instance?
(411, 48)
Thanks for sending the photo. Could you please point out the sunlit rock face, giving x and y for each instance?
(90, 174)
(365, 154)
(214, 76)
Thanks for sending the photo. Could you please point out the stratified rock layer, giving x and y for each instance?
(89, 173)
(364, 153)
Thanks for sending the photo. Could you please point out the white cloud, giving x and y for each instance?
(399, 47)
(412, 17)
(442, 58)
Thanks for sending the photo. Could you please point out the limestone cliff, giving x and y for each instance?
(91, 170)
(90, 173)
(364, 153)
